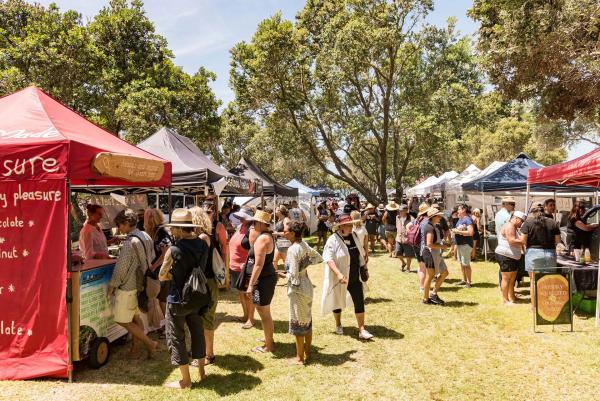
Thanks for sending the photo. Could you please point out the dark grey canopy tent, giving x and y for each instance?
(247, 169)
(193, 171)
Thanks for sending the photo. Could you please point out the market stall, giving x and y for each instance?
(419, 189)
(307, 202)
(47, 150)
(584, 170)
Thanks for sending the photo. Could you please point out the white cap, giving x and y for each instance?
(520, 215)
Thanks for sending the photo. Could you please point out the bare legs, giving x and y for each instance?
(421, 274)
(135, 328)
(532, 290)
(303, 344)
(429, 273)
(360, 320)
(508, 287)
(439, 281)
(209, 338)
(466, 272)
(267, 323)
(248, 309)
(186, 379)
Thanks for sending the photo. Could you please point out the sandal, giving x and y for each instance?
(260, 350)
(209, 360)
(247, 325)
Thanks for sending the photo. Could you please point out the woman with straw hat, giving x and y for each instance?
(343, 285)
(187, 253)
(431, 253)
(389, 222)
(263, 280)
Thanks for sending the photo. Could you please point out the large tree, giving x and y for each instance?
(365, 86)
(116, 70)
(549, 51)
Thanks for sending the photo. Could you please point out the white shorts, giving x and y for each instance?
(126, 306)
(464, 254)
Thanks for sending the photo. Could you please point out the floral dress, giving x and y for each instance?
(300, 288)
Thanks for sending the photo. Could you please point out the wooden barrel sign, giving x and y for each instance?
(552, 299)
(127, 168)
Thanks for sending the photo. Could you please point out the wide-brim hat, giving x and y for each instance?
(432, 212)
(244, 214)
(423, 208)
(370, 206)
(344, 219)
(181, 218)
(262, 217)
(392, 206)
(508, 199)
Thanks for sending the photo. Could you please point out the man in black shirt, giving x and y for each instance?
(549, 208)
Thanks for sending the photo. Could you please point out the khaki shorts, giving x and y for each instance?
(208, 319)
(126, 306)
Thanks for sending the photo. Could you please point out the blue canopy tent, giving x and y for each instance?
(512, 177)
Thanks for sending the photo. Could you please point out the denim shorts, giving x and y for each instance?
(464, 254)
(537, 259)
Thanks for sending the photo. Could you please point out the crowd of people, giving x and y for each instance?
(172, 271)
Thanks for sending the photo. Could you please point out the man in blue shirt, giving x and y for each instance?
(463, 234)
(503, 215)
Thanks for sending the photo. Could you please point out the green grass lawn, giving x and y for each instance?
(471, 349)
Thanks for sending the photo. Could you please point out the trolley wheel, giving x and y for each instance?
(99, 352)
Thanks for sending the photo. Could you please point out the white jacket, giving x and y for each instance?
(335, 294)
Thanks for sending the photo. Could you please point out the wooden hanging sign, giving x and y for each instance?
(128, 168)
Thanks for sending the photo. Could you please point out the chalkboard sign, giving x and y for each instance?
(553, 298)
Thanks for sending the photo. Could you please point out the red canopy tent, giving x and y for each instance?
(45, 148)
(585, 170)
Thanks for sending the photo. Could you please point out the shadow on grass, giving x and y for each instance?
(323, 359)
(229, 384)
(459, 304)
(484, 285)
(376, 300)
(238, 363)
(452, 280)
(377, 331)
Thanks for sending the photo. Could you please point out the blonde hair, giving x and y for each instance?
(200, 218)
(355, 215)
(153, 218)
(476, 212)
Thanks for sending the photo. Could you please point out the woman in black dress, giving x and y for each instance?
(264, 277)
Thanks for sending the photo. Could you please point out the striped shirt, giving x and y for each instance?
(128, 274)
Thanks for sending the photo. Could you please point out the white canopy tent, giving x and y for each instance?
(419, 189)
(306, 203)
(439, 185)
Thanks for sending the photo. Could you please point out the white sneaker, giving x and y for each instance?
(365, 335)
(339, 330)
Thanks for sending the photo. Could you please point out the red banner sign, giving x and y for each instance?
(33, 242)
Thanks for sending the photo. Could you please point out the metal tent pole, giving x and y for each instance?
(527, 199)
(69, 297)
(485, 240)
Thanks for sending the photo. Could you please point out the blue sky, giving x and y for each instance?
(201, 32)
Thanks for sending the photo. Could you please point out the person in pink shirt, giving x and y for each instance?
(239, 245)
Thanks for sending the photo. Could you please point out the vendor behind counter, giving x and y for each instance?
(92, 240)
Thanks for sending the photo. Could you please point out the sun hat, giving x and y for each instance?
(403, 207)
(370, 206)
(432, 212)
(342, 220)
(244, 214)
(392, 206)
(380, 206)
(423, 208)
(520, 215)
(181, 218)
(262, 217)
(508, 199)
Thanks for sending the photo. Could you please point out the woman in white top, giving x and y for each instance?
(92, 240)
(508, 254)
(343, 285)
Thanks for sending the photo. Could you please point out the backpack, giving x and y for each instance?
(413, 237)
(217, 262)
(195, 287)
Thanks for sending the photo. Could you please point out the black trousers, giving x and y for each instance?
(358, 297)
(177, 317)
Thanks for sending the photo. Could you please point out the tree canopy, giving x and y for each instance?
(116, 70)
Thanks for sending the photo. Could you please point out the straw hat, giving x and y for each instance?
(432, 212)
(370, 206)
(181, 218)
(262, 217)
(423, 208)
(342, 220)
(392, 206)
(508, 199)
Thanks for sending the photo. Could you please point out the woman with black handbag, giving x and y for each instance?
(188, 252)
(346, 274)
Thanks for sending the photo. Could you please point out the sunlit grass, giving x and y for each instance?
(472, 349)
